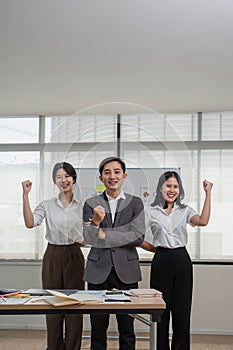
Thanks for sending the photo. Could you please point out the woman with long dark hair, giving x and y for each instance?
(171, 269)
(63, 261)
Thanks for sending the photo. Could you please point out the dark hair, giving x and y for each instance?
(159, 200)
(111, 159)
(69, 169)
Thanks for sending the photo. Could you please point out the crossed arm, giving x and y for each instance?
(131, 233)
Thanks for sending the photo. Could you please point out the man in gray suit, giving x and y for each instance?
(114, 224)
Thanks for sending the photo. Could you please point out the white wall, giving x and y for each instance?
(212, 310)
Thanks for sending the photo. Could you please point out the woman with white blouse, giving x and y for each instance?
(171, 269)
(63, 261)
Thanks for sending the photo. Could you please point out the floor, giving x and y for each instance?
(36, 340)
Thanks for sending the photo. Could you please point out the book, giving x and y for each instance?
(115, 296)
(60, 299)
(145, 292)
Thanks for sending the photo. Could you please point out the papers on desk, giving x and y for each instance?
(14, 301)
(36, 301)
(57, 298)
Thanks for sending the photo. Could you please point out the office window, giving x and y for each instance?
(19, 130)
(217, 126)
(142, 127)
(216, 238)
(16, 241)
(157, 127)
(180, 127)
(77, 128)
(147, 141)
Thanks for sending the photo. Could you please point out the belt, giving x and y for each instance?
(169, 249)
(64, 246)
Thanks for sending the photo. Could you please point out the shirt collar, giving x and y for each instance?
(121, 195)
(175, 207)
(74, 199)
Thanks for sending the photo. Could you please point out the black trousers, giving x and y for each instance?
(63, 267)
(172, 274)
(99, 323)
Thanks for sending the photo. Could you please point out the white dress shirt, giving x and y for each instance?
(113, 203)
(63, 225)
(170, 230)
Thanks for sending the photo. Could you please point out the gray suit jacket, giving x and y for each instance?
(119, 246)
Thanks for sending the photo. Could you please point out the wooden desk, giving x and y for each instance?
(150, 306)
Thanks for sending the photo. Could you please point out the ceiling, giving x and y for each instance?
(63, 56)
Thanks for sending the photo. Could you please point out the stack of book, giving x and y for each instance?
(145, 292)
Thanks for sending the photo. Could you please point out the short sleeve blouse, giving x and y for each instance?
(170, 230)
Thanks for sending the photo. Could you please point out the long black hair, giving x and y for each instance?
(159, 200)
(69, 169)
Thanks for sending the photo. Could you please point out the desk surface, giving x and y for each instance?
(153, 306)
(150, 306)
(137, 303)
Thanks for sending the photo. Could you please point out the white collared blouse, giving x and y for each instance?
(170, 230)
(63, 225)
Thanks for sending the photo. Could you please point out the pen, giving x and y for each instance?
(117, 301)
(3, 299)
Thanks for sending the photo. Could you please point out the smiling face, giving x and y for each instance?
(113, 177)
(64, 181)
(170, 190)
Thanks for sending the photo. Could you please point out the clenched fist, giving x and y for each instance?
(27, 185)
